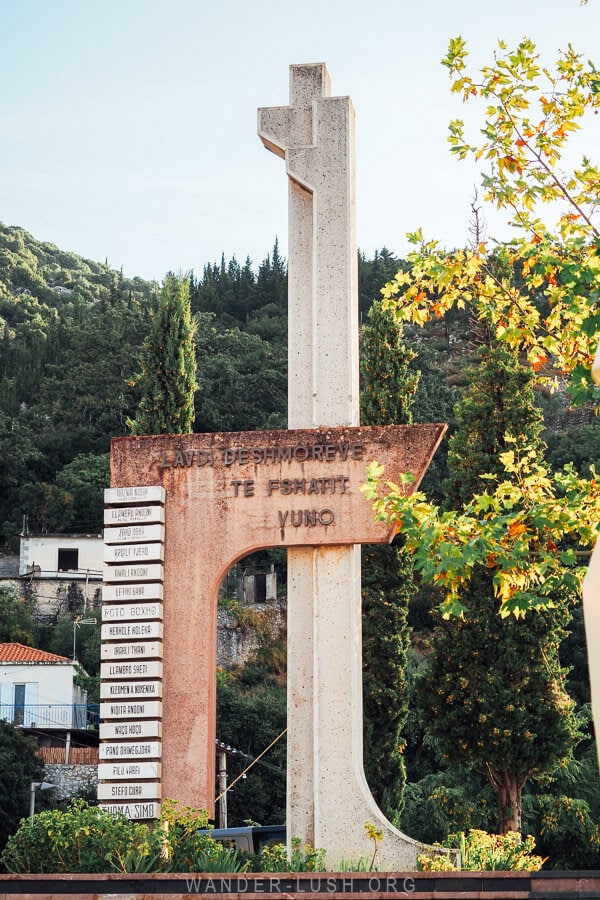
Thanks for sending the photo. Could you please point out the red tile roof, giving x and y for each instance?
(19, 653)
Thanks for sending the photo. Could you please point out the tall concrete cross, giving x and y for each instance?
(328, 797)
(183, 508)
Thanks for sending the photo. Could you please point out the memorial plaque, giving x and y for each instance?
(126, 515)
(137, 729)
(129, 534)
(132, 553)
(129, 709)
(134, 630)
(131, 669)
(129, 750)
(131, 690)
(128, 770)
(135, 650)
(119, 593)
(143, 790)
(150, 572)
(132, 612)
(134, 810)
(142, 494)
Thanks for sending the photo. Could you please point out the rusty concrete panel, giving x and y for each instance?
(226, 496)
(251, 490)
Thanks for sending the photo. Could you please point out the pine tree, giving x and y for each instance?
(387, 390)
(387, 387)
(168, 377)
(500, 401)
(493, 695)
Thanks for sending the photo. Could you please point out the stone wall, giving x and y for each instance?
(72, 780)
(239, 630)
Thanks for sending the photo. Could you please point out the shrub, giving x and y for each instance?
(481, 851)
(81, 838)
(85, 838)
(275, 858)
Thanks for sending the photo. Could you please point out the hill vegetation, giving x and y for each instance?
(71, 333)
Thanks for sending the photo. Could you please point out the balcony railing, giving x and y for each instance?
(81, 716)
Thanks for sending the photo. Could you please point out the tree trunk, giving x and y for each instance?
(509, 789)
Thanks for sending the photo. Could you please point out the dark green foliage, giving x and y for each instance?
(499, 400)
(83, 838)
(387, 584)
(19, 766)
(74, 502)
(69, 348)
(59, 638)
(168, 378)
(243, 381)
(494, 695)
(494, 699)
(373, 274)
(579, 445)
(447, 801)
(387, 386)
(387, 391)
(16, 617)
(256, 304)
(434, 401)
(248, 720)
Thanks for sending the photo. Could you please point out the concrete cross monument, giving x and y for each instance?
(328, 800)
(182, 509)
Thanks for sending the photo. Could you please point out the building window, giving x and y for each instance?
(19, 709)
(68, 560)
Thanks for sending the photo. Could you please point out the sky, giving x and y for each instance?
(128, 127)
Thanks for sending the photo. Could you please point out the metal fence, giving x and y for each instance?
(82, 716)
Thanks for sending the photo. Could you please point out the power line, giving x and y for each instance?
(253, 763)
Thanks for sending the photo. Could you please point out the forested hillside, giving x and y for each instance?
(71, 332)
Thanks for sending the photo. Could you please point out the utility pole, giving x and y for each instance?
(222, 788)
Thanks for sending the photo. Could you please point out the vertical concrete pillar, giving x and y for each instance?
(328, 798)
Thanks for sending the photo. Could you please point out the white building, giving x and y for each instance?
(57, 564)
(38, 690)
(61, 556)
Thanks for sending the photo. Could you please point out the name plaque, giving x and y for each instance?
(130, 553)
(119, 593)
(139, 650)
(115, 631)
(128, 612)
(134, 810)
(145, 709)
(115, 690)
(117, 669)
(144, 790)
(129, 534)
(142, 494)
(113, 771)
(141, 729)
(139, 749)
(127, 515)
(150, 572)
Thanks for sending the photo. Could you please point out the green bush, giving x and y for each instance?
(85, 838)
(81, 838)
(481, 851)
(274, 858)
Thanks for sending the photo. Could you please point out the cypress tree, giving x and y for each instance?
(168, 377)
(387, 391)
(499, 401)
(493, 695)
